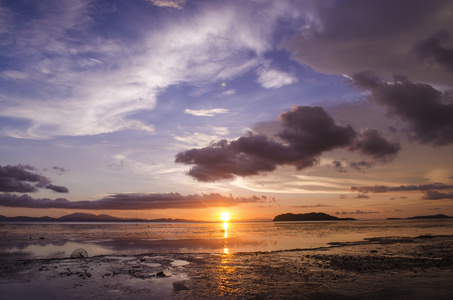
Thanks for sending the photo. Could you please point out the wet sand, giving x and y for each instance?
(378, 268)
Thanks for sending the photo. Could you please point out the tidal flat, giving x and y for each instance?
(374, 268)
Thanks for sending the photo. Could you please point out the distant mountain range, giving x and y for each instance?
(86, 217)
(309, 217)
(439, 216)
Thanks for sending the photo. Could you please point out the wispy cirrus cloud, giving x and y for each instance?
(356, 212)
(134, 201)
(86, 79)
(179, 4)
(206, 112)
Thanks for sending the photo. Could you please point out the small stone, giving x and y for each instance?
(160, 274)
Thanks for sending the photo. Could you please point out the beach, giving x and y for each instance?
(374, 268)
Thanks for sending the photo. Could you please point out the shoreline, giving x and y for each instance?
(380, 268)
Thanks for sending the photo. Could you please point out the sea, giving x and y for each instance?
(58, 240)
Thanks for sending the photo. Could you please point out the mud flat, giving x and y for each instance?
(377, 268)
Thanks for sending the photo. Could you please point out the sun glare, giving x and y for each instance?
(225, 216)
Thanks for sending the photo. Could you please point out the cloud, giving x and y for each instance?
(362, 196)
(24, 179)
(428, 112)
(179, 4)
(57, 188)
(306, 132)
(357, 212)
(341, 166)
(86, 78)
(405, 188)
(370, 142)
(134, 201)
(60, 170)
(435, 195)
(274, 79)
(436, 49)
(206, 112)
(310, 206)
(348, 37)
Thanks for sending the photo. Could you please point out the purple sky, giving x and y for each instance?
(156, 108)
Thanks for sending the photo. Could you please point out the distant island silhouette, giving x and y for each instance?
(309, 217)
(87, 217)
(439, 216)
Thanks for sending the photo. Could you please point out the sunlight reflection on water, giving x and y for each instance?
(59, 239)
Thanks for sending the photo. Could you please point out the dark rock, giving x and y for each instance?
(161, 274)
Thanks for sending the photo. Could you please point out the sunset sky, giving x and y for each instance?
(186, 109)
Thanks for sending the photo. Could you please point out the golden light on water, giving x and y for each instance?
(225, 229)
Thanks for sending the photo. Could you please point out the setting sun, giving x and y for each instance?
(225, 216)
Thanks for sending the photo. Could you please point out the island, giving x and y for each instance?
(313, 216)
(439, 216)
(87, 217)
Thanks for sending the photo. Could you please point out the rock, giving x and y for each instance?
(79, 253)
(160, 274)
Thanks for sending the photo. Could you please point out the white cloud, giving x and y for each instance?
(179, 4)
(92, 85)
(206, 112)
(274, 79)
(197, 139)
(220, 130)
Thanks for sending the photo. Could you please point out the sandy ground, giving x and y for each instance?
(380, 268)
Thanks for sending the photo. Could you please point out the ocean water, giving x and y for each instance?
(58, 240)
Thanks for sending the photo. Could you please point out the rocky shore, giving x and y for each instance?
(378, 268)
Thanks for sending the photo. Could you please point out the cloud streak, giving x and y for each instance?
(306, 133)
(134, 201)
(401, 188)
(206, 112)
(435, 195)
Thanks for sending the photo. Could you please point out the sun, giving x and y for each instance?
(225, 216)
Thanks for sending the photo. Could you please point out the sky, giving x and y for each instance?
(190, 108)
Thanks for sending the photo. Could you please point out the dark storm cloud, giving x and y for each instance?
(345, 37)
(370, 142)
(20, 178)
(427, 111)
(24, 179)
(435, 195)
(306, 133)
(436, 49)
(385, 189)
(134, 201)
(57, 188)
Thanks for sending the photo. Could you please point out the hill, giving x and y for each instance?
(439, 216)
(309, 217)
(86, 217)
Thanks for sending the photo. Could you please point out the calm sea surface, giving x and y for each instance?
(58, 240)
